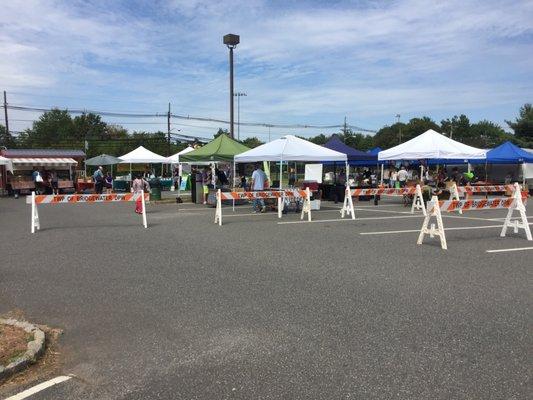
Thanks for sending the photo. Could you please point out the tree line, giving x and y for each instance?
(58, 129)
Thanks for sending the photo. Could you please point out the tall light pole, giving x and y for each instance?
(399, 128)
(238, 95)
(231, 41)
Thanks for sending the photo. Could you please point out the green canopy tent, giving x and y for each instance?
(222, 148)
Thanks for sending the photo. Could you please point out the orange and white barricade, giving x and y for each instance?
(416, 191)
(36, 200)
(280, 195)
(436, 207)
(456, 192)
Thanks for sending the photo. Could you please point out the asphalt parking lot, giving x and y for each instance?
(262, 308)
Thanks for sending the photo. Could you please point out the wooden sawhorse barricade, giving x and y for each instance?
(416, 191)
(436, 207)
(35, 200)
(456, 192)
(267, 194)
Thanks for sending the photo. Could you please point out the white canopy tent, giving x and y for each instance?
(142, 155)
(431, 145)
(7, 162)
(290, 148)
(175, 159)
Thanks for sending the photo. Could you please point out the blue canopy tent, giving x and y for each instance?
(507, 153)
(355, 157)
(375, 150)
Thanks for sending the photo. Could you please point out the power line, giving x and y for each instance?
(187, 117)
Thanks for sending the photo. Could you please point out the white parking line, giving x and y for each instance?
(505, 250)
(318, 221)
(462, 228)
(41, 386)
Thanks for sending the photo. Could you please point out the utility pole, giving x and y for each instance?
(168, 131)
(399, 129)
(5, 112)
(345, 128)
(238, 95)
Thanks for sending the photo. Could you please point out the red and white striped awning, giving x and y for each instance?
(48, 161)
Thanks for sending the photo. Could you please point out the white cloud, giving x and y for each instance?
(369, 60)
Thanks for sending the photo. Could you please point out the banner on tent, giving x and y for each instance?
(84, 198)
(514, 203)
(415, 191)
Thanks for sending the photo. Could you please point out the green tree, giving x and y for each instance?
(389, 136)
(221, 132)
(6, 139)
(252, 142)
(459, 129)
(53, 129)
(319, 139)
(486, 134)
(523, 125)
(358, 141)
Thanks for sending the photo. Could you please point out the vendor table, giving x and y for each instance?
(83, 186)
(121, 186)
(166, 183)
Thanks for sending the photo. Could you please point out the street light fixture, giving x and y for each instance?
(231, 41)
(238, 95)
(399, 128)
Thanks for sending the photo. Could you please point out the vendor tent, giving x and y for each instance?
(103, 159)
(7, 163)
(431, 145)
(290, 148)
(336, 144)
(375, 150)
(142, 156)
(175, 159)
(507, 153)
(222, 148)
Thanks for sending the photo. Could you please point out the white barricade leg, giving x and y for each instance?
(218, 209)
(350, 204)
(427, 229)
(35, 224)
(454, 195)
(347, 205)
(281, 202)
(143, 203)
(418, 201)
(519, 206)
(306, 208)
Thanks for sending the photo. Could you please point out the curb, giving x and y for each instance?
(34, 350)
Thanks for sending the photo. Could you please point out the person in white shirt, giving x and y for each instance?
(402, 177)
(393, 178)
(258, 183)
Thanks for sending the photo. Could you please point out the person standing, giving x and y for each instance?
(402, 177)
(98, 178)
(258, 184)
(386, 176)
(108, 182)
(393, 178)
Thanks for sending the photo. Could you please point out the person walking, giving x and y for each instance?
(37, 180)
(108, 183)
(98, 178)
(259, 179)
(54, 182)
(139, 185)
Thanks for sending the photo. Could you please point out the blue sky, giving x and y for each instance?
(299, 61)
